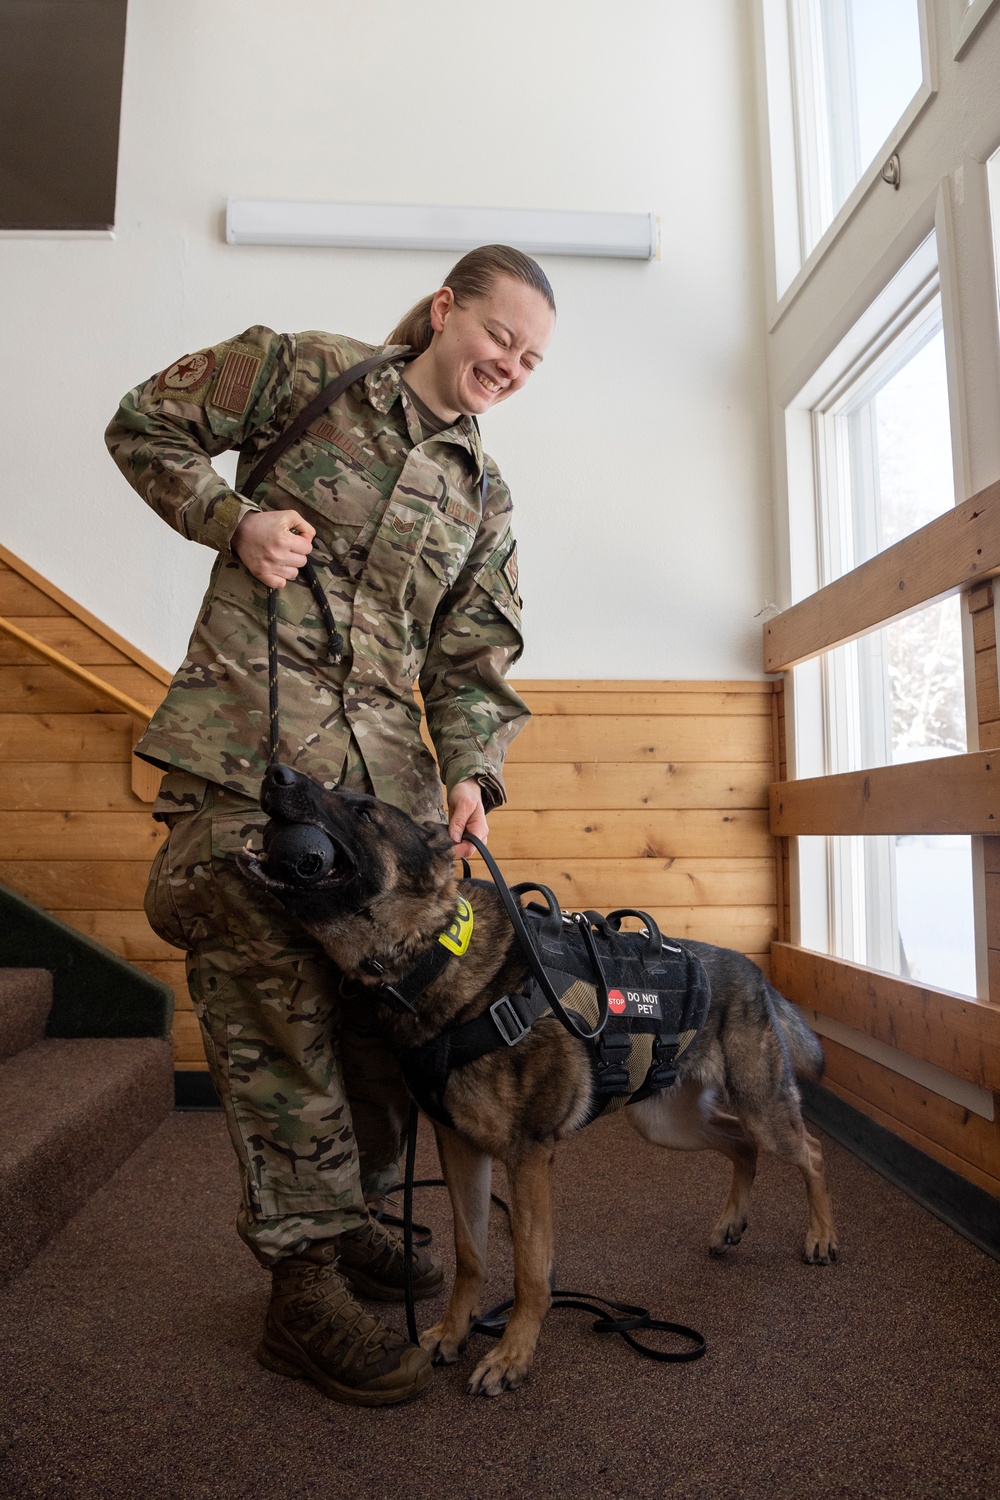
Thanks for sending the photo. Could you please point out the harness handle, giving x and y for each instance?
(553, 922)
(654, 942)
(534, 962)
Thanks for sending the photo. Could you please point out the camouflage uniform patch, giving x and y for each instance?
(189, 375)
(234, 387)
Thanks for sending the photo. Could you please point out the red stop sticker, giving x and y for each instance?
(616, 1002)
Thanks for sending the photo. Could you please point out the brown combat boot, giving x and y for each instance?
(371, 1259)
(316, 1331)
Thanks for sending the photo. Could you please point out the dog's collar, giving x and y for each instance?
(452, 942)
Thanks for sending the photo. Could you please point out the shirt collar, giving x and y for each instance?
(383, 387)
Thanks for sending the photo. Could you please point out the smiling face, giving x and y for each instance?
(483, 349)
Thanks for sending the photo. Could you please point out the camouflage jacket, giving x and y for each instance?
(420, 574)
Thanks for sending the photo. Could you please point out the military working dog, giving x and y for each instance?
(378, 902)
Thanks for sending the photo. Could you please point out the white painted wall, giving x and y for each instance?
(638, 457)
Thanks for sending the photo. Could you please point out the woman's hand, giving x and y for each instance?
(273, 545)
(465, 808)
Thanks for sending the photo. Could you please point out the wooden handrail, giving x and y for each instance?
(145, 778)
(72, 669)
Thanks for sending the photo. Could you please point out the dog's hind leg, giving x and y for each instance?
(783, 1133)
(531, 1193)
(468, 1174)
(686, 1118)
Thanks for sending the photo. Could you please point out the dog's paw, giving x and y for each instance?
(819, 1250)
(728, 1233)
(496, 1374)
(442, 1344)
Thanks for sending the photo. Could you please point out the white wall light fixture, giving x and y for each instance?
(353, 226)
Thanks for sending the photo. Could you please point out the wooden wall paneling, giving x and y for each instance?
(593, 785)
(955, 1033)
(607, 883)
(631, 833)
(61, 885)
(58, 737)
(565, 738)
(951, 1127)
(125, 931)
(79, 835)
(958, 549)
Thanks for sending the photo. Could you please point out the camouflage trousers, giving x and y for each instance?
(316, 1109)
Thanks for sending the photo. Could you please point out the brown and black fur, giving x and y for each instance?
(391, 891)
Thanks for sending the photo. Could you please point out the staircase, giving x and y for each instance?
(86, 1073)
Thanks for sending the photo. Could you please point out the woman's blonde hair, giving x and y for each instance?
(473, 276)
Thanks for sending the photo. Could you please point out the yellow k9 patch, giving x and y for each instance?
(458, 934)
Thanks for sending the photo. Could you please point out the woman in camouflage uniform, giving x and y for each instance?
(407, 522)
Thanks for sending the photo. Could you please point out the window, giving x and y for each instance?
(844, 80)
(882, 441)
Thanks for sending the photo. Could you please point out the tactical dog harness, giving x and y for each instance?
(635, 1000)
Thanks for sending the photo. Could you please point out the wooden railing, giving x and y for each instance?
(955, 551)
(958, 794)
(145, 778)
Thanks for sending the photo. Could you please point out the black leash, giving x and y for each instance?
(335, 647)
(633, 1319)
(513, 910)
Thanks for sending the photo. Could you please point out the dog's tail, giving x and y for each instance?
(798, 1041)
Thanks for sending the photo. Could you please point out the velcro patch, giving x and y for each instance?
(457, 508)
(327, 432)
(634, 1003)
(508, 570)
(187, 375)
(234, 386)
(458, 934)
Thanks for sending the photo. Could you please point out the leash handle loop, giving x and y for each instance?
(534, 962)
(494, 1322)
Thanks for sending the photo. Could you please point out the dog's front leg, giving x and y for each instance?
(468, 1173)
(531, 1193)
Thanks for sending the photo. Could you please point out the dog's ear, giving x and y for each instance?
(437, 837)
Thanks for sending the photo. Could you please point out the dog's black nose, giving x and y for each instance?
(280, 775)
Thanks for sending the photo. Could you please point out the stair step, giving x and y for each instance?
(25, 1002)
(71, 1112)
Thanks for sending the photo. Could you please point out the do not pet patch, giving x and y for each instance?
(458, 934)
(635, 1003)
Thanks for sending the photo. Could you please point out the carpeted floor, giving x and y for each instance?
(127, 1369)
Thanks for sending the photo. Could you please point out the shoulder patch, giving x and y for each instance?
(240, 368)
(187, 376)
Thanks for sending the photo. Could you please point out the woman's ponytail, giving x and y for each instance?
(414, 328)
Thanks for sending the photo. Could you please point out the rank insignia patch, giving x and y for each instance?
(187, 374)
(234, 386)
